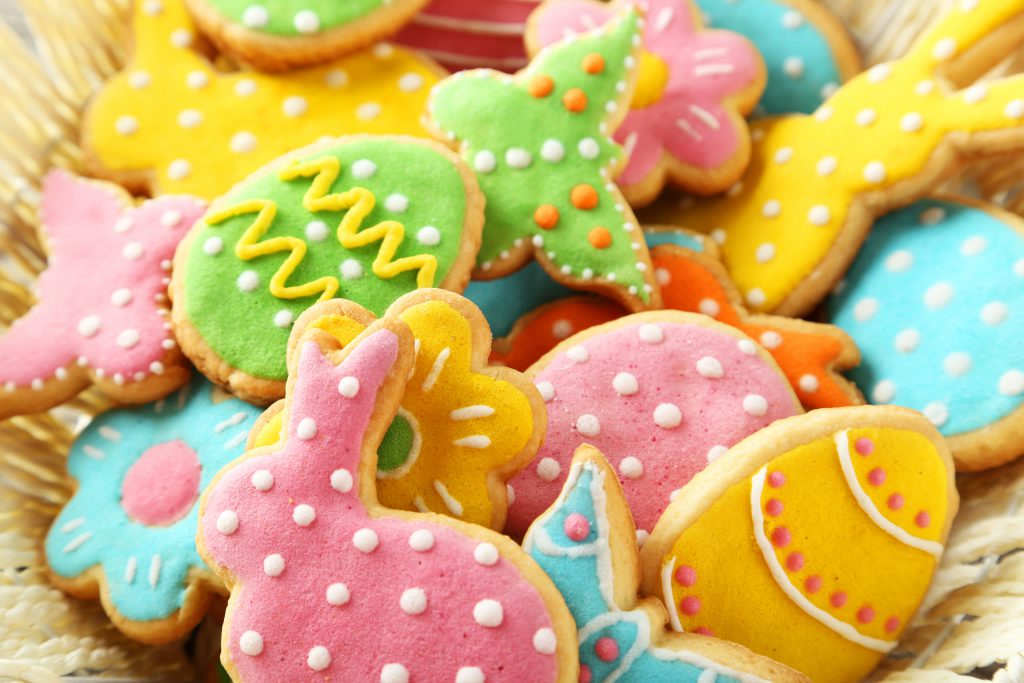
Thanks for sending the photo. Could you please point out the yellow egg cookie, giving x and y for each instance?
(463, 428)
(812, 541)
(172, 122)
(793, 224)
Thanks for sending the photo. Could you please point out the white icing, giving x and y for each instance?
(488, 613)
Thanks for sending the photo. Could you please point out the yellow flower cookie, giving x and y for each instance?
(463, 428)
(812, 541)
(172, 122)
(792, 226)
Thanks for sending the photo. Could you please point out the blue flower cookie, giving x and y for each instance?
(128, 533)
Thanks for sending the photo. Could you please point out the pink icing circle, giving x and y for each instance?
(776, 480)
(795, 562)
(838, 599)
(895, 501)
(866, 614)
(891, 624)
(606, 649)
(704, 631)
(163, 485)
(813, 584)
(690, 605)
(876, 476)
(686, 576)
(712, 411)
(923, 519)
(781, 537)
(865, 446)
(586, 675)
(773, 507)
(577, 527)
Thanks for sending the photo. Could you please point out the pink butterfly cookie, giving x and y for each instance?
(328, 584)
(101, 304)
(686, 122)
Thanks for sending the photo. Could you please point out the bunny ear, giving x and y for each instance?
(576, 540)
(960, 31)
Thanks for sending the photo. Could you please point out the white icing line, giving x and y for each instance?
(666, 594)
(779, 574)
(470, 413)
(711, 52)
(235, 419)
(493, 28)
(705, 70)
(72, 525)
(665, 17)
(685, 126)
(435, 371)
(478, 441)
(420, 505)
(236, 440)
(129, 570)
(93, 452)
(705, 116)
(449, 500)
(110, 434)
(154, 571)
(77, 542)
(842, 440)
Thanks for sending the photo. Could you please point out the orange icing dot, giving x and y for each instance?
(584, 197)
(600, 238)
(593, 63)
(546, 216)
(541, 85)
(575, 100)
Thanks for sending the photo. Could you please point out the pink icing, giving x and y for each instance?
(98, 248)
(665, 372)
(705, 68)
(162, 486)
(293, 601)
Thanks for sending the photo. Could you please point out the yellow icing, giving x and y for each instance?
(880, 130)
(839, 542)
(466, 473)
(195, 129)
(652, 78)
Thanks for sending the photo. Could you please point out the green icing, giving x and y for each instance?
(239, 326)
(397, 445)
(278, 17)
(491, 114)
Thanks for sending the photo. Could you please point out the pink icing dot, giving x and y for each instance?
(686, 576)
(813, 584)
(577, 527)
(776, 480)
(923, 519)
(865, 446)
(586, 676)
(781, 537)
(876, 476)
(690, 605)
(891, 624)
(865, 614)
(704, 631)
(773, 507)
(162, 486)
(895, 501)
(795, 562)
(838, 599)
(606, 649)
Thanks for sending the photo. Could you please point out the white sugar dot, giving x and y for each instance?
(994, 313)
(348, 387)
(318, 658)
(819, 215)
(484, 161)
(1011, 383)
(664, 277)
(709, 307)
(139, 80)
(488, 613)
(937, 413)
(866, 117)
(794, 67)
(808, 383)
(944, 49)
(938, 295)
(719, 235)
(912, 122)
(341, 480)
(413, 601)
(783, 155)
(470, 674)
(190, 118)
(255, 16)
(668, 416)
(631, 467)
(651, 334)
(771, 208)
(756, 297)
(171, 219)
(1015, 109)
(771, 339)
(383, 50)
(957, 364)
(899, 261)
(294, 106)
(242, 142)
(317, 231)
(365, 540)
(976, 93)
(227, 522)
(907, 340)
(213, 246)
(368, 111)
(625, 384)
(925, 87)
(307, 22)
(336, 78)
(865, 309)
(197, 80)
(827, 166)
(716, 452)
(561, 329)
(588, 425)
(747, 347)
(884, 391)
(552, 151)
(245, 87)
(394, 673)
(124, 224)
(1018, 268)
(351, 269)
(545, 642)
(273, 565)
(262, 480)
(932, 216)
(89, 326)
(792, 19)
(128, 339)
(306, 429)
(486, 554)
(121, 297)
(251, 643)
(755, 405)
(974, 245)
(363, 169)
(304, 515)
(396, 203)
(179, 169)
(410, 82)
(548, 469)
(248, 281)
(879, 73)
(875, 172)
(589, 149)
(547, 390)
(338, 594)
(710, 367)
(284, 318)
(518, 158)
(765, 252)
(181, 37)
(126, 125)
(428, 236)
(578, 354)
(421, 540)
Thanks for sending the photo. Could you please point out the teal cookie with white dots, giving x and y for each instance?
(935, 301)
(276, 35)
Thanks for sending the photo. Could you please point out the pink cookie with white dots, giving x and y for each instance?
(101, 304)
(327, 584)
(661, 394)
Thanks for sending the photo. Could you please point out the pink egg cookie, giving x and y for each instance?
(101, 304)
(661, 394)
(328, 584)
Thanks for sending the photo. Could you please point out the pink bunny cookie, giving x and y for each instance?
(686, 121)
(312, 559)
(101, 304)
(661, 394)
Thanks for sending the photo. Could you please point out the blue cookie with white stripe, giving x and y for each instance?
(128, 533)
(586, 544)
(935, 301)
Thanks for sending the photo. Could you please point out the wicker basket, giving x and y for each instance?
(972, 623)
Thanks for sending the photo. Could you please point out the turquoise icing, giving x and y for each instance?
(505, 300)
(774, 29)
(582, 571)
(964, 372)
(99, 461)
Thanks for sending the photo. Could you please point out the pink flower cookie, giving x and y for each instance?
(101, 311)
(695, 86)
(327, 584)
(661, 394)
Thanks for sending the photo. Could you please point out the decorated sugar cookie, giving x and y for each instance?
(468, 34)
(172, 122)
(311, 558)
(282, 34)
(463, 428)
(539, 144)
(100, 316)
(793, 225)
(935, 300)
(585, 543)
(685, 123)
(127, 535)
(661, 393)
(827, 526)
(807, 49)
(347, 218)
